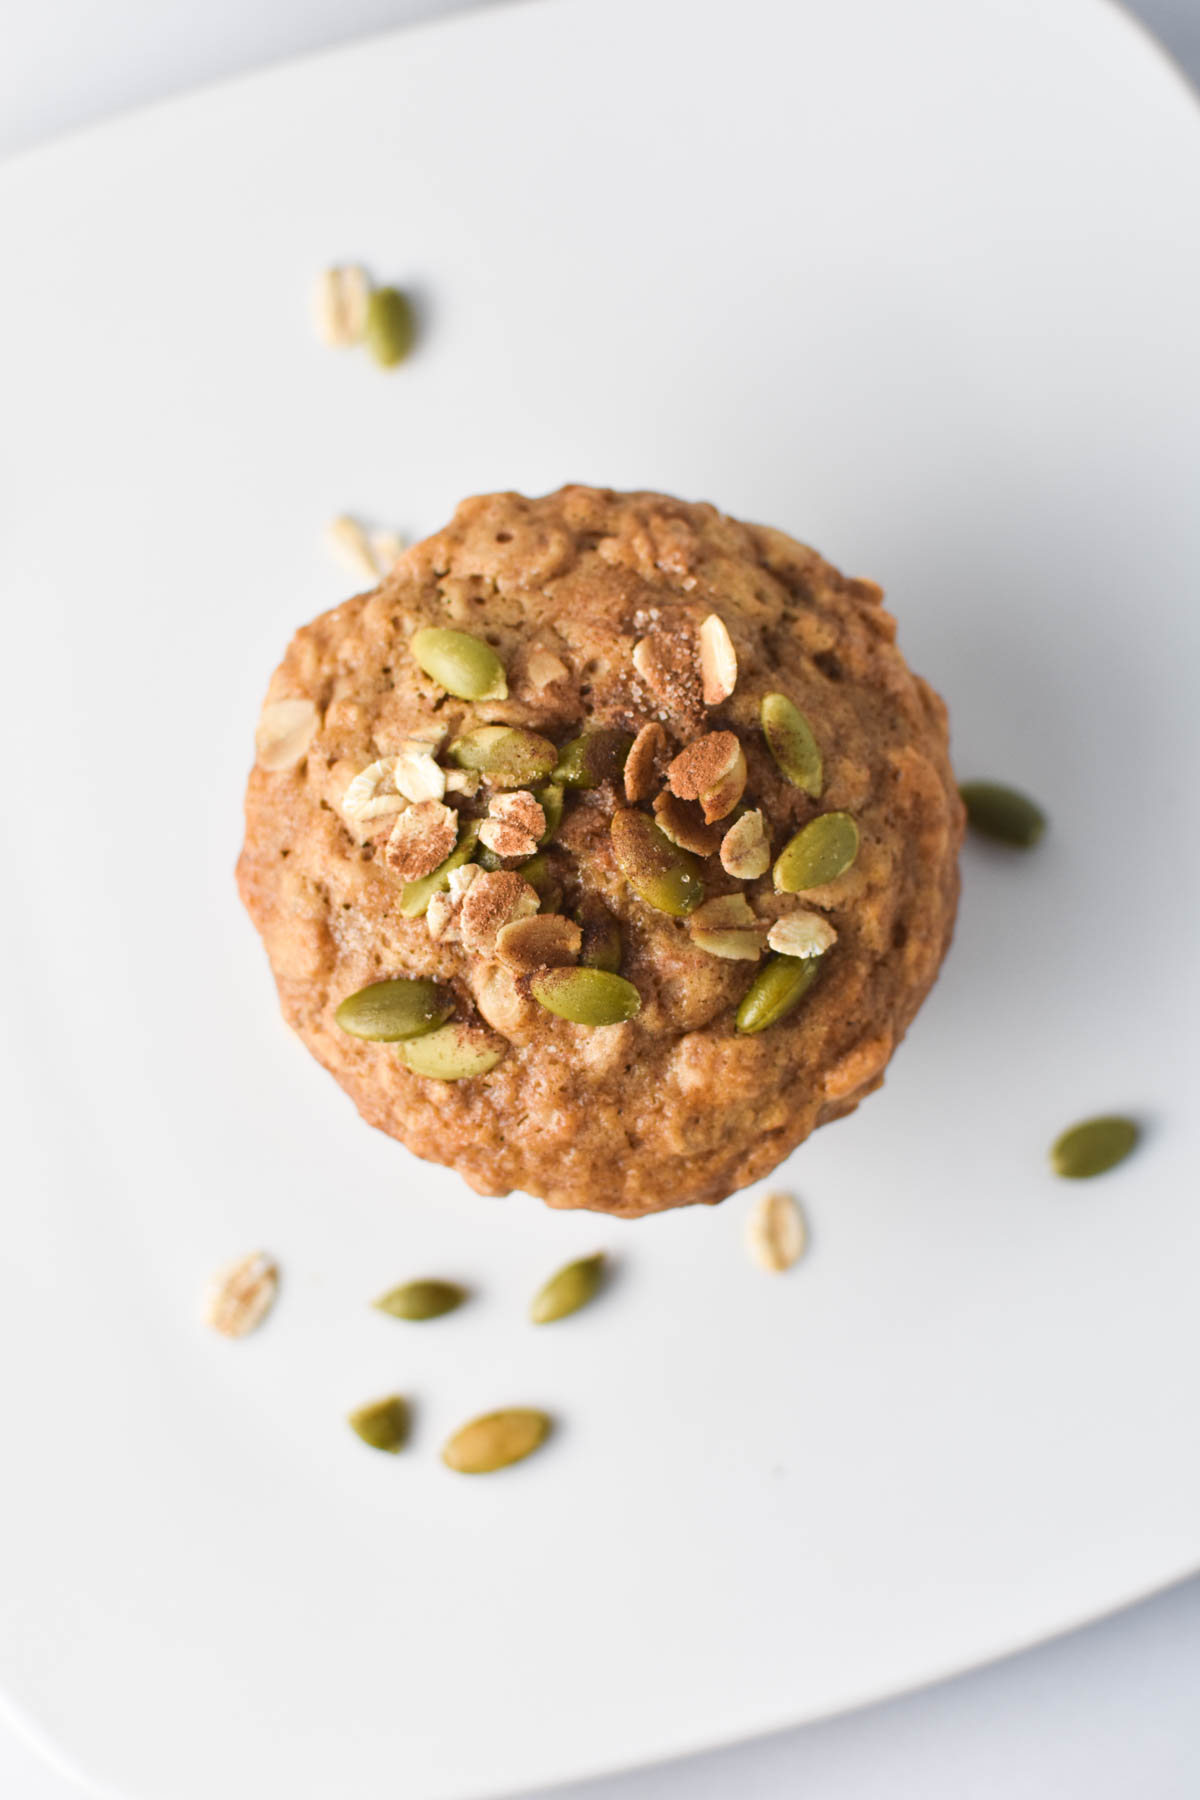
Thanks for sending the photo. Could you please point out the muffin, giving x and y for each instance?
(605, 849)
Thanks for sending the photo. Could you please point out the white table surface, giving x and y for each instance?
(1100, 1715)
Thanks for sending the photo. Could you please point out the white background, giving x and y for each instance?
(1103, 1714)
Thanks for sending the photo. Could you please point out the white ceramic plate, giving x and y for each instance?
(920, 283)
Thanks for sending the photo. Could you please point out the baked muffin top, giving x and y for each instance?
(603, 757)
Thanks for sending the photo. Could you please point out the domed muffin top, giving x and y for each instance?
(604, 849)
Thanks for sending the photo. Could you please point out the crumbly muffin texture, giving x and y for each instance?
(649, 620)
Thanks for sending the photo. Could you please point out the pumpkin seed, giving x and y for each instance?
(1093, 1147)
(586, 996)
(419, 1300)
(567, 1290)
(383, 1424)
(665, 876)
(601, 937)
(495, 1440)
(464, 665)
(506, 755)
(595, 757)
(455, 1053)
(1003, 814)
(552, 798)
(791, 742)
(820, 852)
(390, 327)
(539, 873)
(779, 986)
(416, 895)
(386, 1011)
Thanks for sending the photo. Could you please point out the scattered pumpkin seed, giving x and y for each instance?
(1093, 1147)
(552, 799)
(539, 873)
(601, 937)
(383, 1424)
(665, 876)
(506, 755)
(419, 1300)
(464, 665)
(779, 986)
(550, 896)
(586, 996)
(386, 1011)
(791, 742)
(416, 895)
(568, 1289)
(454, 1053)
(1003, 814)
(595, 757)
(390, 327)
(496, 1440)
(820, 852)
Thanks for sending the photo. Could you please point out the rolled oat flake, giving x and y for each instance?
(1093, 1147)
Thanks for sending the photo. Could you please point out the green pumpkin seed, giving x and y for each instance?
(1093, 1147)
(552, 799)
(464, 665)
(820, 852)
(390, 326)
(383, 1424)
(539, 873)
(586, 996)
(418, 1300)
(601, 937)
(1003, 814)
(595, 757)
(416, 895)
(791, 742)
(506, 755)
(455, 1053)
(665, 875)
(779, 986)
(390, 1010)
(496, 1440)
(568, 1290)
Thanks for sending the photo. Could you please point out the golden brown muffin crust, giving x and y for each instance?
(673, 1106)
